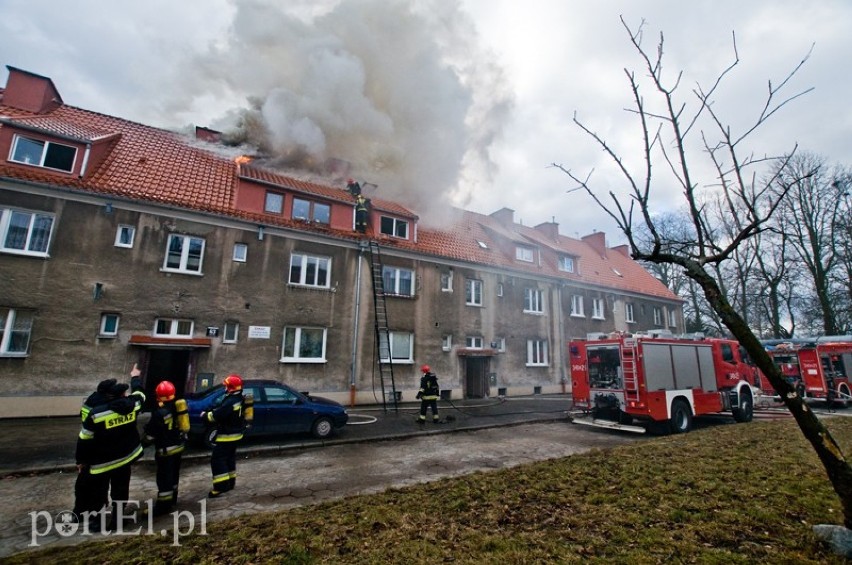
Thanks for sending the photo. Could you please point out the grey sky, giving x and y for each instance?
(439, 101)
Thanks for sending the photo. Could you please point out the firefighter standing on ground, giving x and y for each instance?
(106, 446)
(428, 395)
(166, 430)
(230, 422)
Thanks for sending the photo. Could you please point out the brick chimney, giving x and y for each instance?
(504, 215)
(623, 249)
(550, 229)
(207, 134)
(596, 241)
(29, 91)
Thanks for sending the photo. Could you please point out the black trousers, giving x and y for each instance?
(168, 477)
(429, 403)
(223, 464)
(91, 492)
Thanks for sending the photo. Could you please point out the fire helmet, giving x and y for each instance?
(426, 368)
(233, 383)
(165, 391)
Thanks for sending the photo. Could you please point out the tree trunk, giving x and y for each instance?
(838, 469)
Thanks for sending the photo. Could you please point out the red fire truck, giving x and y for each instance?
(659, 381)
(819, 368)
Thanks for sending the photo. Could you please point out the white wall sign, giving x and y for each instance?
(259, 332)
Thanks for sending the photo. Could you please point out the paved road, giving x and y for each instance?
(304, 476)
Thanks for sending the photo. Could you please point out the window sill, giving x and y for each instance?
(107, 336)
(534, 312)
(300, 360)
(577, 315)
(533, 365)
(14, 355)
(598, 318)
(179, 272)
(23, 253)
(474, 305)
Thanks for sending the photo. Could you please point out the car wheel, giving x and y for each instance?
(745, 411)
(322, 428)
(681, 419)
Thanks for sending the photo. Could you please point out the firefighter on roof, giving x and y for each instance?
(428, 395)
(230, 422)
(106, 446)
(361, 213)
(166, 430)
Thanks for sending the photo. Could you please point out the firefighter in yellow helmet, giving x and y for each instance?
(428, 395)
(166, 430)
(230, 423)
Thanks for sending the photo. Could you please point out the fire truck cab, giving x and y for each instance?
(619, 379)
(819, 368)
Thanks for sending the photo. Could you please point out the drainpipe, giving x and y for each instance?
(560, 330)
(361, 246)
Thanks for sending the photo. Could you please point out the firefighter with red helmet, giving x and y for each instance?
(428, 395)
(230, 423)
(166, 430)
(107, 444)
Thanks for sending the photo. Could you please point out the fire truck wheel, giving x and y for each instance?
(745, 412)
(681, 419)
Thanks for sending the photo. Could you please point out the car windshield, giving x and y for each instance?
(205, 393)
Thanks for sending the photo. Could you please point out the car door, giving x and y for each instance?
(287, 414)
(260, 423)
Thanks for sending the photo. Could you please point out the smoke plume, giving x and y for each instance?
(399, 89)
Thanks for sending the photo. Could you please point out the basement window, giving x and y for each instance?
(45, 154)
(109, 325)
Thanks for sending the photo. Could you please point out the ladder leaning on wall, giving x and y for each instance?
(382, 331)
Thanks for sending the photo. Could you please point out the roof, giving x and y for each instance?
(143, 163)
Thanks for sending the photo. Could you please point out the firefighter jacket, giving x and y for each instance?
(228, 418)
(428, 387)
(162, 430)
(109, 438)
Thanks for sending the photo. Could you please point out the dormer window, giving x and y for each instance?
(524, 254)
(311, 211)
(566, 264)
(274, 203)
(394, 227)
(45, 154)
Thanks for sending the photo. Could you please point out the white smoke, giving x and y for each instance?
(399, 89)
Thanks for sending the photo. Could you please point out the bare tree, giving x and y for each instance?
(811, 221)
(665, 133)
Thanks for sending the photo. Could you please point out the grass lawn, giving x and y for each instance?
(746, 493)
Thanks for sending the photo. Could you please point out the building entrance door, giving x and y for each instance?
(173, 365)
(476, 377)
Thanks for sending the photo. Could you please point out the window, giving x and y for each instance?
(279, 395)
(658, 316)
(109, 325)
(398, 281)
(232, 330)
(447, 281)
(500, 289)
(536, 352)
(499, 344)
(124, 236)
(274, 203)
(15, 329)
(566, 264)
(184, 254)
(628, 313)
(26, 233)
(473, 292)
(577, 305)
(304, 345)
(482, 244)
(167, 327)
(308, 270)
(474, 342)
(311, 211)
(727, 353)
(598, 308)
(447, 342)
(533, 301)
(672, 318)
(240, 252)
(401, 347)
(394, 227)
(524, 254)
(44, 154)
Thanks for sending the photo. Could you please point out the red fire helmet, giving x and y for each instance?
(425, 368)
(233, 383)
(165, 391)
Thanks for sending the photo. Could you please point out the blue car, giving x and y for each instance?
(278, 410)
